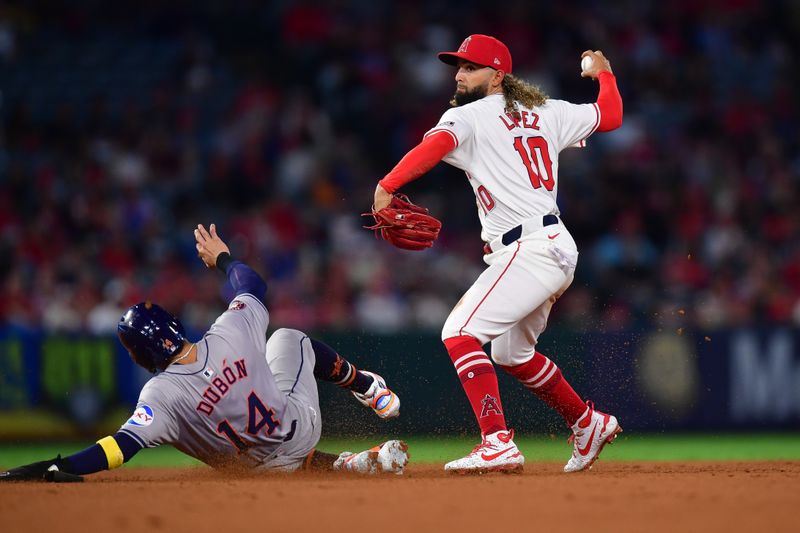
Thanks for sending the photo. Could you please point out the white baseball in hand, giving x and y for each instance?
(586, 63)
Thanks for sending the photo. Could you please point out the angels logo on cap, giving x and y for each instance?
(483, 50)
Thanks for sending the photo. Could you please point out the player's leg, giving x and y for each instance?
(390, 457)
(520, 278)
(369, 388)
(515, 282)
(486, 310)
(497, 451)
(291, 360)
(515, 352)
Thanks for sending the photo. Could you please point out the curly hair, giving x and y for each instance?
(517, 90)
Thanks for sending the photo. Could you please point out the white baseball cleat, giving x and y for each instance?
(379, 397)
(590, 433)
(391, 457)
(496, 453)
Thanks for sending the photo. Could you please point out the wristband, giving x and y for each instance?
(223, 260)
(113, 452)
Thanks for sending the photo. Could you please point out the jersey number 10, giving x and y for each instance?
(534, 157)
(258, 416)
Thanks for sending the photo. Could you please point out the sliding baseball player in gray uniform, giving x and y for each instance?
(221, 400)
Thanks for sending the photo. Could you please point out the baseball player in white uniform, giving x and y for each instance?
(506, 136)
(231, 399)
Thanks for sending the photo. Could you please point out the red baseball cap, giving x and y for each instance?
(482, 50)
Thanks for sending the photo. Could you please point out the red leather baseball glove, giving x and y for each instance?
(405, 224)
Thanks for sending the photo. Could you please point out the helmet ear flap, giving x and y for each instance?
(135, 347)
(142, 362)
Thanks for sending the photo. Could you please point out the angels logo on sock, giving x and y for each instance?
(490, 404)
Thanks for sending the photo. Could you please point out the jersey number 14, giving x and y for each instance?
(258, 416)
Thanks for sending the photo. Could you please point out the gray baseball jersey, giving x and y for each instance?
(245, 402)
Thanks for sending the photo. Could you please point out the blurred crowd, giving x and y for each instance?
(124, 125)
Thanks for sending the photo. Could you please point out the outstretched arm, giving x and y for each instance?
(215, 253)
(609, 101)
(414, 164)
(109, 452)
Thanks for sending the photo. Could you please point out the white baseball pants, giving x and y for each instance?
(510, 302)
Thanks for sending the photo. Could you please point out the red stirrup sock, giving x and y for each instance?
(544, 379)
(477, 375)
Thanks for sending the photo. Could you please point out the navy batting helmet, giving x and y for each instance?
(151, 335)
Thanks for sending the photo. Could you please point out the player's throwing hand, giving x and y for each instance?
(599, 64)
(209, 245)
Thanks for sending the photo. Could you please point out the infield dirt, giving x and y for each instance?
(614, 496)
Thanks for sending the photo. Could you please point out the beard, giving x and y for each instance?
(469, 96)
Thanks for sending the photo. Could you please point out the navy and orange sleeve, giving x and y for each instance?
(419, 160)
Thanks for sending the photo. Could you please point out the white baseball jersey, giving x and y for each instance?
(511, 164)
